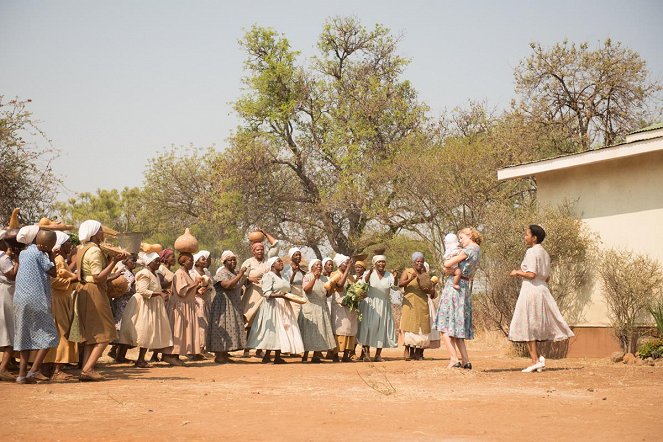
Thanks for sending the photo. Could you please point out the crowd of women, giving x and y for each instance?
(62, 305)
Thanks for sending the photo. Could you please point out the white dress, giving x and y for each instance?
(537, 317)
(275, 326)
(6, 302)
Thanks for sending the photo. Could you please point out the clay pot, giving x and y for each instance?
(434, 279)
(256, 236)
(186, 242)
(118, 287)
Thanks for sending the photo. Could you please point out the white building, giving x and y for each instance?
(618, 192)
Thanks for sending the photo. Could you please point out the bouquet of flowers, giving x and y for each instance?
(353, 295)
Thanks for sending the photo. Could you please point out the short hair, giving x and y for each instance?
(473, 234)
(537, 231)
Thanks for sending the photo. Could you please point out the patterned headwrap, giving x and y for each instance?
(165, 254)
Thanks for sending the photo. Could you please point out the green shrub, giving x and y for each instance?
(652, 348)
(656, 310)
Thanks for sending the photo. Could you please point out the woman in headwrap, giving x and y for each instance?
(145, 322)
(9, 251)
(454, 315)
(294, 274)
(275, 327)
(226, 328)
(376, 328)
(415, 315)
(182, 313)
(62, 305)
(34, 328)
(167, 259)
(327, 269)
(125, 267)
(256, 267)
(204, 298)
(97, 327)
(346, 324)
(315, 323)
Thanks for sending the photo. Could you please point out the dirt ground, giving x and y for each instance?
(580, 399)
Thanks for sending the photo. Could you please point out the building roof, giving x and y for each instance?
(648, 139)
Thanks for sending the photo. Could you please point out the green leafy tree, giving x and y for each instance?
(314, 138)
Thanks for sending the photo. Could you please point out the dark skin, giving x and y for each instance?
(308, 287)
(12, 253)
(140, 362)
(346, 267)
(230, 264)
(45, 247)
(277, 268)
(119, 351)
(379, 268)
(295, 265)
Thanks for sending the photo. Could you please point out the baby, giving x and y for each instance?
(451, 249)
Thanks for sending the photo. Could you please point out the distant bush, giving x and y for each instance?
(652, 348)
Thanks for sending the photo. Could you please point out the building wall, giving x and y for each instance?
(620, 200)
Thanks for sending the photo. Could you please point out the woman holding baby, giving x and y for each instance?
(454, 315)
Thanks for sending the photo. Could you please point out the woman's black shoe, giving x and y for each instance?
(468, 366)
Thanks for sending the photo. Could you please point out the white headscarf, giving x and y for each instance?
(339, 259)
(313, 262)
(145, 258)
(197, 256)
(427, 266)
(325, 260)
(88, 229)
(227, 254)
(60, 238)
(293, 250)
(271, 261)
(377, 258)
(27, 234)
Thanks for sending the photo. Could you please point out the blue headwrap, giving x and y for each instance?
(417, 255)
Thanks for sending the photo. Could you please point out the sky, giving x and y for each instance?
(114, 83)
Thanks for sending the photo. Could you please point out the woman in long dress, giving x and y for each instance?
(295, 273)
(315, 323)
(182, 312)
(346, 324)
(256, 267)
(34, 328)
(165, 274)
(62, 288)
(9, 250)
(95, 319)
(454, 314)
(204, 298)
(415, 316)
(536, 317)
(376, 328)
(275, 327)
(226, 328)
(145, 322)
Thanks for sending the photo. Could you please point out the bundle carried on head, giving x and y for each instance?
(256, 236)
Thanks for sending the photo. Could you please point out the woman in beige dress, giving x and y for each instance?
(204, 299)
(97, 327)
(346, 324)
(182, 312)
(256, 267)
(145, 322)
(62, 306)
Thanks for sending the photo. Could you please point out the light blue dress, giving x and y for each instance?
(34, 327)
(376, 328)
(454, 314)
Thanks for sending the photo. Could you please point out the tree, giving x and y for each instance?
(629, 294)
(591, 97)
(313, 139)
(27, 180)
(121, 210)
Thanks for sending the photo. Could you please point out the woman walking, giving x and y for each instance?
(182, 313)
(9, 251)
(226, 328)
(376, 328)
(315, 323)
(454, 314)
(346, 324)
(145, 322)
(275, 327)
(536, 317)
(97, 327)
(62, 304)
